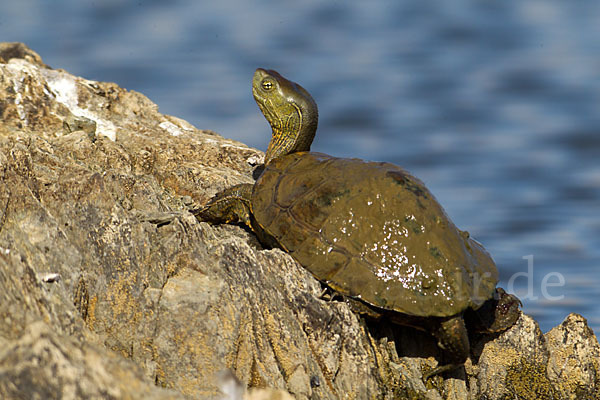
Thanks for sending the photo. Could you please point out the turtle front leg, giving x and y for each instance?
(231, 205)
(453, 339)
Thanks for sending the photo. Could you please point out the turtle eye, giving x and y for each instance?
(267, 85)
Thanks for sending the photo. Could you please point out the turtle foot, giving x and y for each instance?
(440, 370)
(497, 314)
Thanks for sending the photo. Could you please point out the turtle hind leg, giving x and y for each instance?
(231, 205)
(453, 339)
(495, 315)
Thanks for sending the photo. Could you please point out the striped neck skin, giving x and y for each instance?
(289, 109)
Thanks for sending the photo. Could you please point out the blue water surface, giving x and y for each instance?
(495, 104)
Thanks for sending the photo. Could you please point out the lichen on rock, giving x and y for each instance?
(120, 292)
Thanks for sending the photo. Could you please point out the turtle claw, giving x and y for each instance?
(440, 370)
(160, 218)
(328, 295)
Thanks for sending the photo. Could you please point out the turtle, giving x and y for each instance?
(369, 231)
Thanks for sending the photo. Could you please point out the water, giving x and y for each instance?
(493, 104)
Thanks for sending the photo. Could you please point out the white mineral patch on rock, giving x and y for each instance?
(64, 88)
(170, 127)
(256, 159)
(14, 71)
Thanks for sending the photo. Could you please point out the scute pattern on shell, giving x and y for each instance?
(372, 231)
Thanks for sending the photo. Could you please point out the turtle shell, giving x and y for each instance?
(373, 232)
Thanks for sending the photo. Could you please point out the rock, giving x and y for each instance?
(267, 394)
(574, 359)
(117, 291)
(44, 365)
(513, 364)
(8, 51)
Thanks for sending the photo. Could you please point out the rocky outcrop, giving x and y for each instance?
(112, 289)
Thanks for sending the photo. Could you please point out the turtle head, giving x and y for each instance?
(289, 109)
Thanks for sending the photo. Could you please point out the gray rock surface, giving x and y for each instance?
(112, 289)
